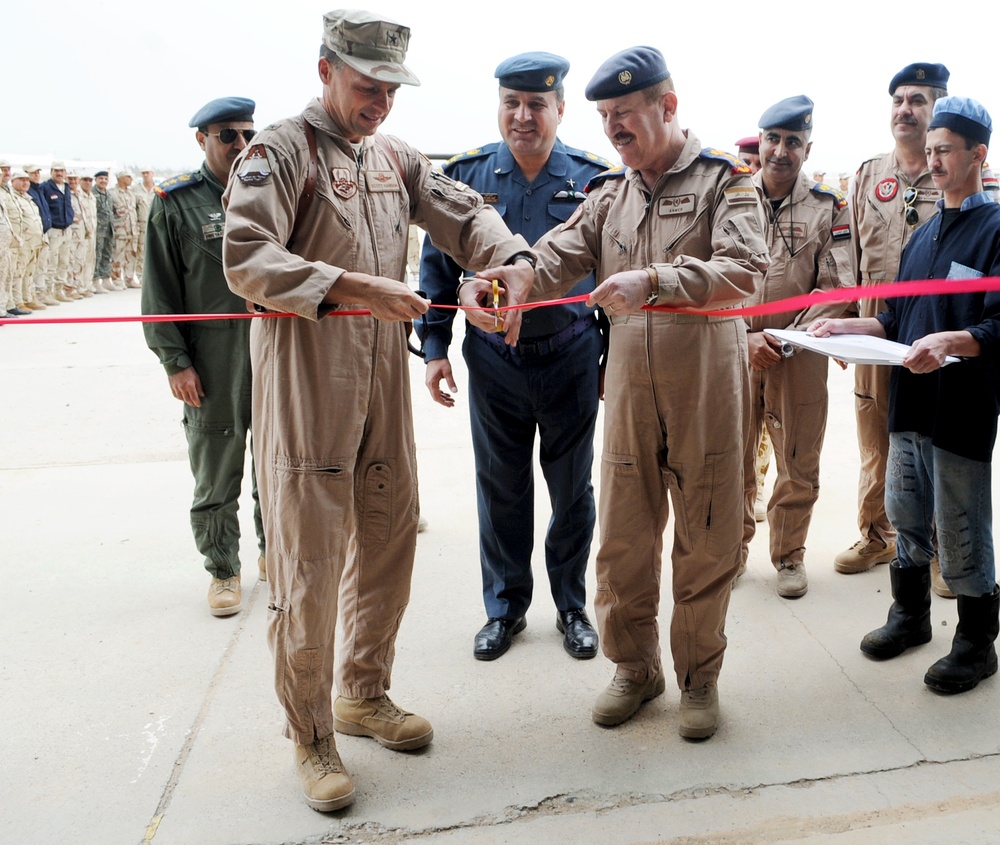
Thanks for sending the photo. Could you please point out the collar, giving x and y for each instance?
(976, 200)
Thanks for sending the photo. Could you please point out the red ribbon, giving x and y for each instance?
(925, 287)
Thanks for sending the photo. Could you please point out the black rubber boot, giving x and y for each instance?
(973, 655)
(909, 621)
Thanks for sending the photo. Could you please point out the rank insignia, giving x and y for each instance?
(886, 189)
(256, 167)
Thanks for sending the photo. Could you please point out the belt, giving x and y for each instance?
(538, 347)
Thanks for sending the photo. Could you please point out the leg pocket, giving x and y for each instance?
(312, 506)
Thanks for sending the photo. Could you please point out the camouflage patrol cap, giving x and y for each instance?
(58, 164)
(4, 163)
(18, 173)
(31, 168)
(370, 44)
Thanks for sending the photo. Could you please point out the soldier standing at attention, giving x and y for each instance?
(207, 363)
(143, 200)
(549, 382)
(104, 242)
(126, 223)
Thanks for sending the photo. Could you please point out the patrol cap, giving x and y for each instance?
(750, 144)
(31, 168)
(965, 116)
(146, 169)
(86, 177)
(72, 174)
(921, 73)
(792, 113)
(58, 164)
(370, 44)
(18, 173)
(532, 72)
(100, 173)
(630, 70)
(4, 163)
(222, 109)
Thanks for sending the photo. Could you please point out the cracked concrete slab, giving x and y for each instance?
(133, 716)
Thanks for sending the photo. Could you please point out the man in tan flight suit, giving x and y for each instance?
(332, 421)
(893, 194)
(126, 222)
(807, 236)
(681, 227)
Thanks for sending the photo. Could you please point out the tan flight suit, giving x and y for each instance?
(126, 223)
(676, 397)
(878, 234)
(32, 240)
(332, 421)
(143, 201)
(808, 240)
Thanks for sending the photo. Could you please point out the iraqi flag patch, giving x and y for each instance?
(841, 233)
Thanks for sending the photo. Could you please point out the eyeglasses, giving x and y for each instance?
(909, 211)
(229, 135)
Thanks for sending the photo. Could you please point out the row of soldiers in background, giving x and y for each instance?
(69, 237)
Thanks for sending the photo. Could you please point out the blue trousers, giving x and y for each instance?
(927, 486)
(511, 396)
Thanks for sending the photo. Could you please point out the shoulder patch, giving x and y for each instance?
(735, 165)
(841, 232)
(838, 197)
(615, 172)
(175, 183)
(593, 158)
(255, 169)
(476, 152)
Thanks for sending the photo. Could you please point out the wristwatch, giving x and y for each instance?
(527, 256)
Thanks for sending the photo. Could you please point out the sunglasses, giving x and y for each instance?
(909, 211)
(229, 136)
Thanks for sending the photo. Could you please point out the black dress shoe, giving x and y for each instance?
(18, 312)
(580, 638)
(495, 637)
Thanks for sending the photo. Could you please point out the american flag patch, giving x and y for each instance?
(841, 233)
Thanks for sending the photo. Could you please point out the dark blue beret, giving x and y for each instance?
(100, 173)
(627, 71)
(532, 72)
(793, 113)
(223, 109)
(921, 73)
(965, 116)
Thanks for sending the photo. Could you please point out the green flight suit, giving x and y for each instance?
(182, 274)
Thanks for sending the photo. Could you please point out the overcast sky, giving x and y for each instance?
(118, 82)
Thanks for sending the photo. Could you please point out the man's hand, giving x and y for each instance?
(622, 293)
(516, 281)
(186, 386)
(765, 350)
(827, 326)
(929, 352)
(440, 368)
(389, 300)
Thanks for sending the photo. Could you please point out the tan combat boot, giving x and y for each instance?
(383, 721)
(325, 783)
(623, 697)
(699, 712)
(225, 596)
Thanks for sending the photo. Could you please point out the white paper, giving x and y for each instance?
(852, 348)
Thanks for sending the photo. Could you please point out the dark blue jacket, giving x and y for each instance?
(60, 204)
(37, 193)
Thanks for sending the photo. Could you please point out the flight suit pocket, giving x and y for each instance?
(310, 502)
(620, 486)
(807, 441)
(375, 518)
(708, 506)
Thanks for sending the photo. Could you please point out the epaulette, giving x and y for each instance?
(175, 183)
(478, 152)
(736, 167)
(593, 158)
(614, 172)
(838, 197)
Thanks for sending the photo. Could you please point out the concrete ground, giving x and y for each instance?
(130, 715)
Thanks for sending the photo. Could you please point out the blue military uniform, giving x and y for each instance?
(549, 381)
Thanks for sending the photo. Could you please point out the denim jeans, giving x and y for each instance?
(927, 487)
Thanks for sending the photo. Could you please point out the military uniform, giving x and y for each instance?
(808, 236)
(549, 381)
(8, 249)
(126, 223)
(333, 435)
(143, 204)
(676, 400)
(104, 243)
(60, 202)
(184, 276)
(80, 233)
(879, 232)
(88, 206)
(31, 235)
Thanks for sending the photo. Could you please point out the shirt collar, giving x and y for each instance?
(976, 200)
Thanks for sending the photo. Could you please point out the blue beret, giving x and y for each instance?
(627, 71)
(223, 109)
(532, 72)
(100, 173)
(965, 116)
(921, 73)
(794, 113)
